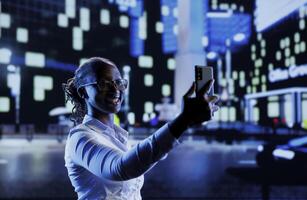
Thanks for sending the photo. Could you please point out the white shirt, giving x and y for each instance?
(101, 164)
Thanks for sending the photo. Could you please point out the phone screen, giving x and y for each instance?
(202, 75)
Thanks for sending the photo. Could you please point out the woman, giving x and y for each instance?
(100, 163)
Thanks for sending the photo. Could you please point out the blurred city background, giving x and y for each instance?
(254, 148)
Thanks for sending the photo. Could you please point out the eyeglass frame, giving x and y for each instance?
(106, 82)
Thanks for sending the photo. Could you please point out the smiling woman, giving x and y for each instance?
(100, 163)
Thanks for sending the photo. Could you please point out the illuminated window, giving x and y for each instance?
(259, 36)
(104, 16)
(205, 41)
(131, 118)
(4, 104)
(288, 110)
(171, 64)
(124, 21)
(70, 8)
(5, 20)
(34, 59)
(271, 66)
(175, 12)
(273, 109)
(148, 107)
(297, 48)
(41, 85)
(159, 27)
(297, 37)
(145, 61)
(263, 87)
(62, 20)
(5, 55)
(224, 113)
(143, 27)
(148, 80)
(253, 56)
(278, 55)
(287, 42)
(263, 52)
(233, 6)
(248, 89)
(235, 75)
(166, 90)
(253, 47)
(292, 61)
(85, 19)
(224, 6)
(232, 114)
(263, 79)
(262, 43)
(282, 44)
(22, 35)
(287, 52)
(302, 24)
(175, 29)
(287, 62)
(303, 46)
(165, 10)
(256, 114)
(77, 37)
(255, 81)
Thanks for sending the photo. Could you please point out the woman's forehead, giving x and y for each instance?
(109, 72)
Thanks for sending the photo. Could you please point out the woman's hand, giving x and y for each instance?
(201, 108)
(195, 110)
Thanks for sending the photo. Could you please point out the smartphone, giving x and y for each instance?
(202, 75)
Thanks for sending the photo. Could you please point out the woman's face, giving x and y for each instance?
(105, 98)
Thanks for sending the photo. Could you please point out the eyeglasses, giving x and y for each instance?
(120, 84)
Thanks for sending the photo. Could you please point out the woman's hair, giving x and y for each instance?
(73, 88)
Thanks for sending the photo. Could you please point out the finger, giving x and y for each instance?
(212, 99)
(215, 108)
(206, 88)
(190, 91)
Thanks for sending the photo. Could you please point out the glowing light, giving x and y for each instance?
(5, 55)
(239, 37)
(41, 85)
(211, 55)
(148, 107)
(166, 90)
(22, 35)
(62, 20)
(145, 61)
(85, 19)
(70, 8)
(148, 80)
(287, 154)
(35, 59)
(5, 20)
(104, 16)
(124, 21)
(4, 104)
(77, 37)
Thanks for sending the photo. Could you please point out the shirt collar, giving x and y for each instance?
(98, 126)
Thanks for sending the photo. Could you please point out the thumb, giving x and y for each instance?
(190, 91)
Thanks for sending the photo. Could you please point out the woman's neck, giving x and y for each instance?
(107, 119)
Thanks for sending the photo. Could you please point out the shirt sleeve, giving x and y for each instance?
(110, 163)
